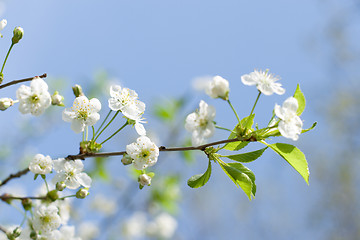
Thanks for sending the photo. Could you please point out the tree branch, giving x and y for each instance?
(2, 229)
(7, 196)
(15, 175)
(21, 80)
(83, 156)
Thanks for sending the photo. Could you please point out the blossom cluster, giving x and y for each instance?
(201, 122)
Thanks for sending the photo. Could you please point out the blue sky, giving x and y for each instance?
(158, 48)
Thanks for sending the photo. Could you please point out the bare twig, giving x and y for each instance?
(82, 156)
(15, 175)
(6, 196)
(21, 80)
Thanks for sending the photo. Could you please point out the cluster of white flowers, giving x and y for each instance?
(84, 112)
(201, 123)
(126, 101)
(34, 99)
(163, 226)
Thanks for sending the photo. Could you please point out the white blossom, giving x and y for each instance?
(200, 123)
(144, 152)
(46, 218)
(88, 231)
(5, 103)
(135, 226)
(71, 173)
(163, 226)
(3, 24)
(264, 81)
(104, 204)
(218, 88)
(126, 100)
(290, 125)
(65, 233)
(84, 112)
(34, 99)
(145, 180)
(41, 164)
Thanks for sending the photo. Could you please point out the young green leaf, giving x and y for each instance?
(248, 172)
(239, 178)
(301, 100)
(294, 157)
(247, 157)
(235, 146)
(200, 180)
(310, 128)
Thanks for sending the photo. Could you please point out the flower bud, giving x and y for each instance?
(60, 186)
(16, 233)
(5, 103)
(126, 160)
(82, 193)
(6, 198)
(18, 34)
(26, 203)
(33, 235)
(53, 195)
(144, 180)
(57, 99)
(77, 90)
(218, 88)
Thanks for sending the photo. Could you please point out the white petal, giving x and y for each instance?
(84, 179)
(278, 112)
(77, 125)
(247, 79)
(115, 90)
(68, 115)
(72, 183)
(140, 129)
(95, 104)
(114, 104)
(290, 105)
(92, 119)
(265, 89)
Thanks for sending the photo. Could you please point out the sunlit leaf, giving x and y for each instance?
(248, 172)
(200, 180)
(310, 128)
(301, 100)
(247, 157)
(294, 157)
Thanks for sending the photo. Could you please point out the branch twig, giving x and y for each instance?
(21, 80)
(15, 175)
(6, 196)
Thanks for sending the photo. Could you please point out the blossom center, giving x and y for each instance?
(35, 98)
(145, 154)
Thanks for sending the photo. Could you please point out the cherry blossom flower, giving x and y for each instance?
(5, 103)
(41, 164)
(200, 123)
(163, 226)
(144, 152)
(65, 233)
(3, 24)
(71, 173)
(34, 99)
(126, 100)
(290, 125)
(83, 113)
(46, 218)
(218, 88)
(264, 81)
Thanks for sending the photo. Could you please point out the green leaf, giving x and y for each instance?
(294, 157)
(235, 146)
(239, 178)
(248, 122)
(247, 157)
(200, 180)
(301, 100)
(310, 128)
(248, 172)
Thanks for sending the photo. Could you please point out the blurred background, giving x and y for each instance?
(160, 48)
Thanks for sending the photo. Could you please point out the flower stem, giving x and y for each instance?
(67, 197)
(47, 186)
(112, 119)
(7, 55)
(126, 123)
(237, 117)
(102, 124)
(252, 110)
(218, 127)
